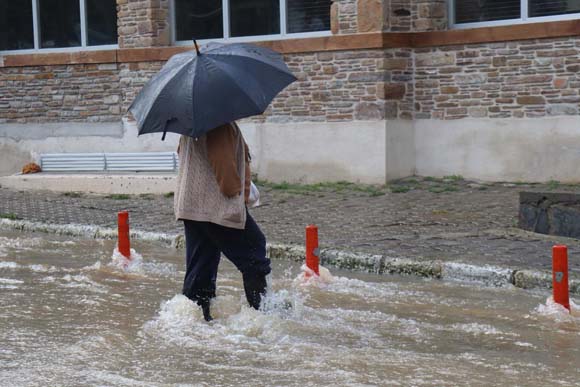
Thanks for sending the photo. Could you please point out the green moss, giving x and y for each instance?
(169, 194)
(118, 196)
(309, 189)
(400, 188)
(10, 216)
(553, 184)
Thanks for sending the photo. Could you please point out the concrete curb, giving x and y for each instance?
(371, 263)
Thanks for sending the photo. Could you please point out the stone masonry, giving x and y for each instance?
(516, 79)
(521, 79)
(73, 93)
(143, 23)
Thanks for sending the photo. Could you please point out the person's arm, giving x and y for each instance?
(221, 151)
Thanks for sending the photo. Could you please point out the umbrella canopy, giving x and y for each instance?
(195, 92)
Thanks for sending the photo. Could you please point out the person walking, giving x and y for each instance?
(213, 188)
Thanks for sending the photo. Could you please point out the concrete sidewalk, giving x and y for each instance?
(434, 227)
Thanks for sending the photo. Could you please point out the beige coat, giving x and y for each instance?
(212, 179)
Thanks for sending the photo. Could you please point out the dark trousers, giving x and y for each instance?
(245, 248)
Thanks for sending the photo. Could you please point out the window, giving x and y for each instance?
(254, 17)
(199, 19)
(244, 19)
(16, 30)
(57, 24)
(101, 22)
(308, 15)
(497, 12)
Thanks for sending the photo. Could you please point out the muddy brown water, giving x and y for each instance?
(69, 317)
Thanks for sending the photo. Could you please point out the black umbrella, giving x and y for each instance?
(198, 91)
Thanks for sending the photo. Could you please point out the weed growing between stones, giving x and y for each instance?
(10, 216)
(118, 196)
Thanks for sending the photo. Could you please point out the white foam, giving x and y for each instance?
(558, 312)
(477, 329)
(309, 278)
(10, 281)
(135, 264)
(9, 265)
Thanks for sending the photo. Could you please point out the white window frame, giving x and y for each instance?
(36, 35)
(523, 19)
(284, 34)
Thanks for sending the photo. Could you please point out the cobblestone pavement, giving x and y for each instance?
(447, 219)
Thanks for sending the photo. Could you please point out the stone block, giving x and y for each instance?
(370, 15)
(530, 100)
(394, 64)
(529, 79)
(365, 77)
(334, 23)
(449, 89)
(369, 111)
(562, 109)
(435, 59)
(470, 79)
(550, 213)
(394, 91)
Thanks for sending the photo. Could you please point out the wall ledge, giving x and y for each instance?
(365, 41)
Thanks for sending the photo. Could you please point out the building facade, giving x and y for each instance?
(386, 88)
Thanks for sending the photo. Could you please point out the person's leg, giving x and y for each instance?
(247, 250)
(202, 260)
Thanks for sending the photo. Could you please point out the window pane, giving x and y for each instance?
(101, 22)
(16, 32)
(198, 19)
(60, 23)
(254, 17)
(553, 7)
(469, 11)
(308, 15)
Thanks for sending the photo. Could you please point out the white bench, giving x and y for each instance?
(109, 162)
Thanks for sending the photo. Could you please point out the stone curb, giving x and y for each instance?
(371, 263)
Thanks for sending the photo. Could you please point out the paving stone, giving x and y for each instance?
(471, 224)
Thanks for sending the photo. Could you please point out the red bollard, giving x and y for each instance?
(124, 242)
(560, 275)
(312, 250)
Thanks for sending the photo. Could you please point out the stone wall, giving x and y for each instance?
(415, 15)
(534, 78)
(343, 17)
(143, 23)
(62, 93)
(332, 86)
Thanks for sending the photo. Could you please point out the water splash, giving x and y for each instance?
(309, 278)
(133, 264)
(557, 312)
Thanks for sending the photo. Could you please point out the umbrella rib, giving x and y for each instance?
(163, 89)
(234, 81)
(273, 65)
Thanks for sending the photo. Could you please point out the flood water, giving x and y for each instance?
(69, 317)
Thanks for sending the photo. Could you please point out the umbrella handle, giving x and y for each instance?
(196, 47)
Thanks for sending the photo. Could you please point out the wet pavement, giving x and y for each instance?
(418, 218)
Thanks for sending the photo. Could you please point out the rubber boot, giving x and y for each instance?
(255, 288)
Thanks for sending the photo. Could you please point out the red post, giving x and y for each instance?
(124, 242)
(560, 275)
(312, 251)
